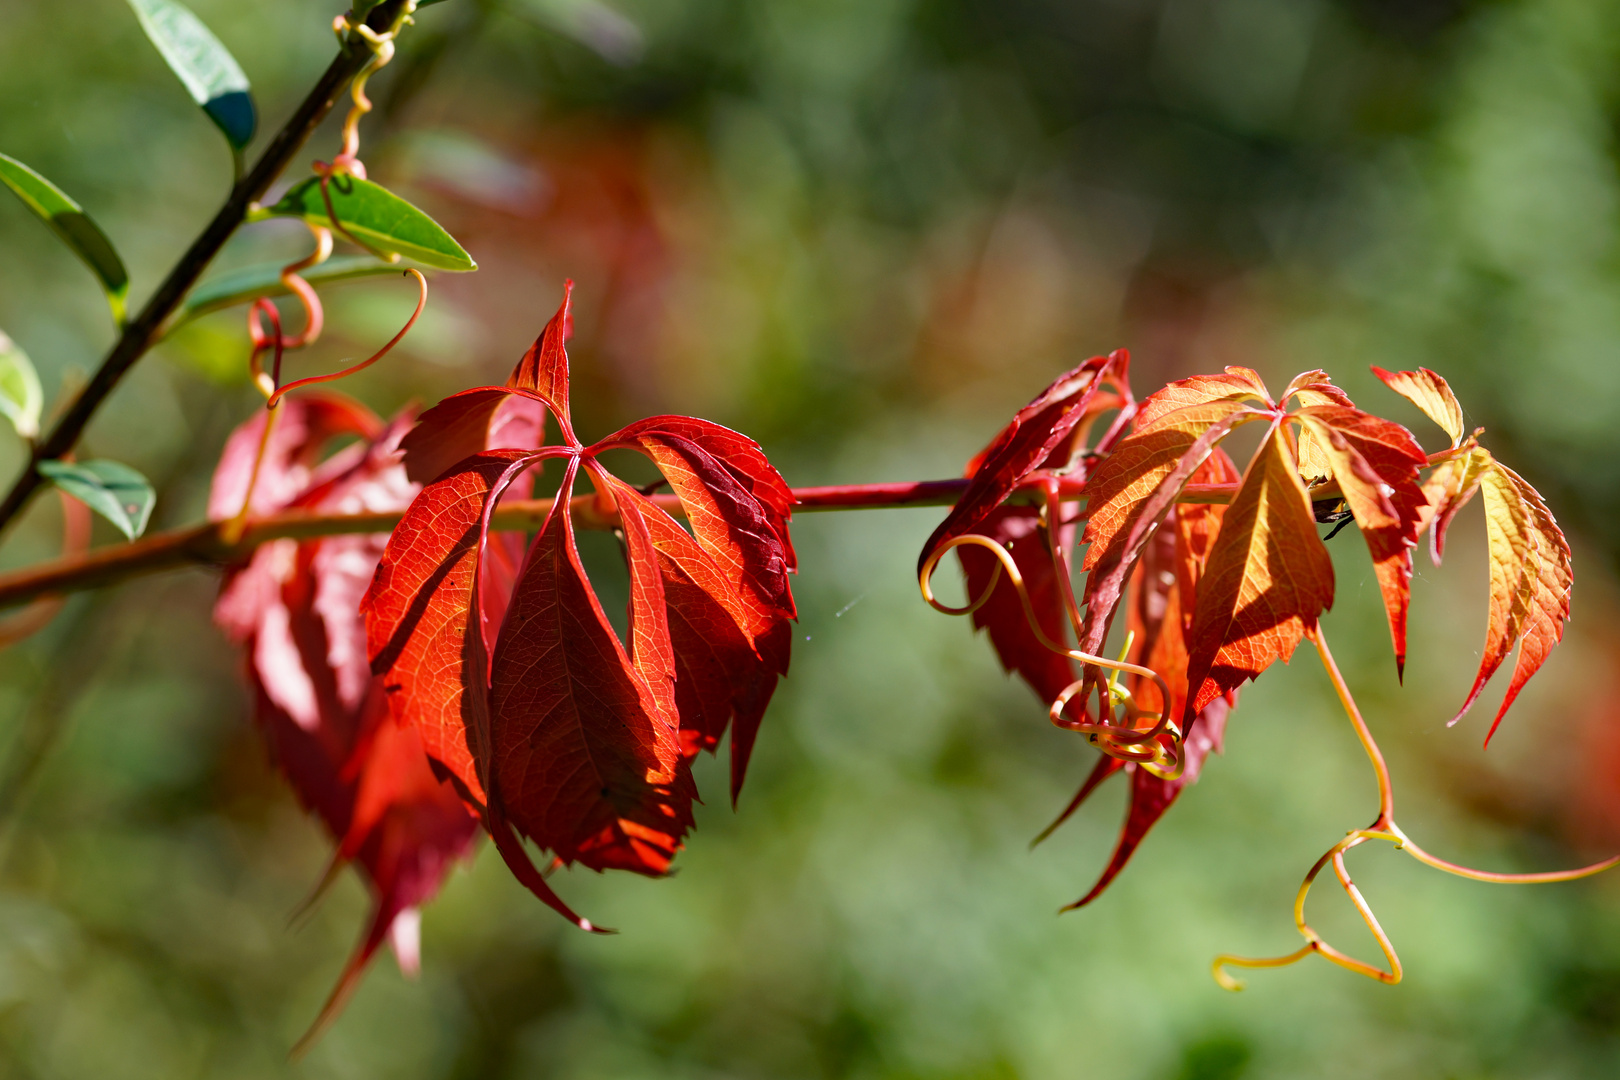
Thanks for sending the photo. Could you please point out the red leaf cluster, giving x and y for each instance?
(294, 609)
(1221, 572)
(503, 661)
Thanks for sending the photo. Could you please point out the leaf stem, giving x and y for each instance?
(1386, 790)
(1383, 828)
(139, 334)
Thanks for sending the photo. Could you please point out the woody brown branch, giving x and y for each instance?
(208, 544)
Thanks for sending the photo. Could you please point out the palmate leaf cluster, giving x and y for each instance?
(1222, 571)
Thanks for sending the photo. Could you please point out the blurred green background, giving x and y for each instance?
(863, 231)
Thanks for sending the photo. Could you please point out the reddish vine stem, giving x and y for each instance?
(209, 544)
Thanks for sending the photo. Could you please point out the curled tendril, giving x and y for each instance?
(265, 381)
(1125, 740)
(314, 315)
(421, 302)
(1382, 828)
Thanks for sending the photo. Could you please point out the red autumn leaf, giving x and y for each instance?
(1197, 525)
(291, 456)
(408, 828)
(551, 726)
(464, 424)
(1448, 489)
(1376, 464)
(295, 610)
(1315, 387)
(419, 610)
(1456, 477)
(1041, 435)
(742, 533)
(738, 455)
(1531, 570)
(1152, 796)
(1309, 389)
(1020, 531)
(725, 674)
(1267, 580)
(1120, 489)
(584, 759)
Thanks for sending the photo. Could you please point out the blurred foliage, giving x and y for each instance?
(863, 231)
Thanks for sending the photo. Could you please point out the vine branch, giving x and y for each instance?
(221, 542)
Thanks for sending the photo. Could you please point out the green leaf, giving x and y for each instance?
(251, 282)
(21, 399)
(375, 218)
(113, 490)
(210, 73)
(69, 221)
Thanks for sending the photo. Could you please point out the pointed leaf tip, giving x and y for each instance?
(1041, 435)
(544, 368)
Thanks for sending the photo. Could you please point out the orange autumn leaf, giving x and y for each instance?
(1531, 569)
(1531, 575)
(1268, 578)
(1430, 393)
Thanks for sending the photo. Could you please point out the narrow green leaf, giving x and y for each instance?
(113, 490)
(374, 217)
(210, 73)
(251, 282)
(69, 221)
(21, 399)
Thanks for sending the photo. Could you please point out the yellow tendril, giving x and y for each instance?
(1124, 740)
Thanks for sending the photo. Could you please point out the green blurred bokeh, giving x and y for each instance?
(864, 231)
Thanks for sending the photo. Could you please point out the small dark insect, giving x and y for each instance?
(1335, 512)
